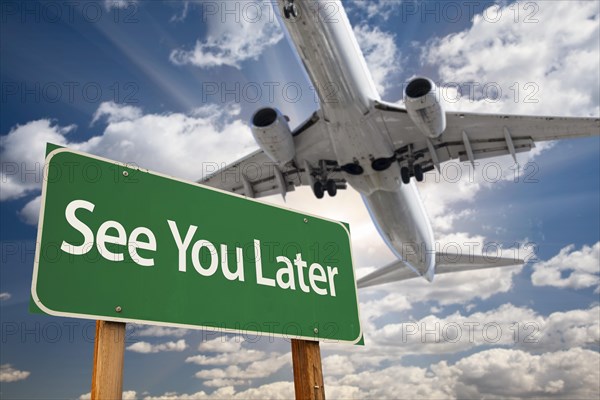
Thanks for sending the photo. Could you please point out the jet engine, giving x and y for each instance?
(424, 107)
(273, 134)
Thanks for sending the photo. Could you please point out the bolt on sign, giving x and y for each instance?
(125, 244)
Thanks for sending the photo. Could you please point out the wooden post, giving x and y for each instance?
(109, 349)
(308, 372)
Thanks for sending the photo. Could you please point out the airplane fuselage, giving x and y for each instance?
(325, 41)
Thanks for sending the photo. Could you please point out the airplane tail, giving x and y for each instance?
(444, 263)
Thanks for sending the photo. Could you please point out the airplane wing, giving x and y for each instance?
(468, 137)
(444, 263)
(256, 175)
(473, 136)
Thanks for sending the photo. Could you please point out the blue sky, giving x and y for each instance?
(144, 82)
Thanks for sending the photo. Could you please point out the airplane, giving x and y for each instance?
(378, 148)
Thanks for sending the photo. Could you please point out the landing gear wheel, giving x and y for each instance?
(290, 11)
(418, 173)
(405, 174)
(318, 190)
(331, 188)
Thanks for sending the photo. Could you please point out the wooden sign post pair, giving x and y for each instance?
(109, 349)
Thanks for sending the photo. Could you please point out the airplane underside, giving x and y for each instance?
(378, 148)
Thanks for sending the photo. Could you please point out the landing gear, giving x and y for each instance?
(405, 175)
(412, 164)
(325, 178)
(318, 190)
(418, 170)
(331, 188)
(290, 10)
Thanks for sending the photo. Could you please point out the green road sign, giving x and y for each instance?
(124, 244)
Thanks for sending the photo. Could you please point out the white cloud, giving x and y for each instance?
(182, 15)
(158, 331)
(22, 153)
(127, 395)
(389, 341)
(233, 39)
(242, 356)
(110, 4)
(5, 296)
(30, 214)
(146, 348)
(224, 383)
(460, 287)
(168, 143)
(391, 302)
(505, 326)
(460, 182)
(493, 374)
(255, 370)
(381, 54)
(368, 9)
(575, 269)
(275, 390)
(563, 330)
(500, 373)
(562, 80)
(222, 344)
(9, 374)
(337, 365)
(173, 143)
(116, 112)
